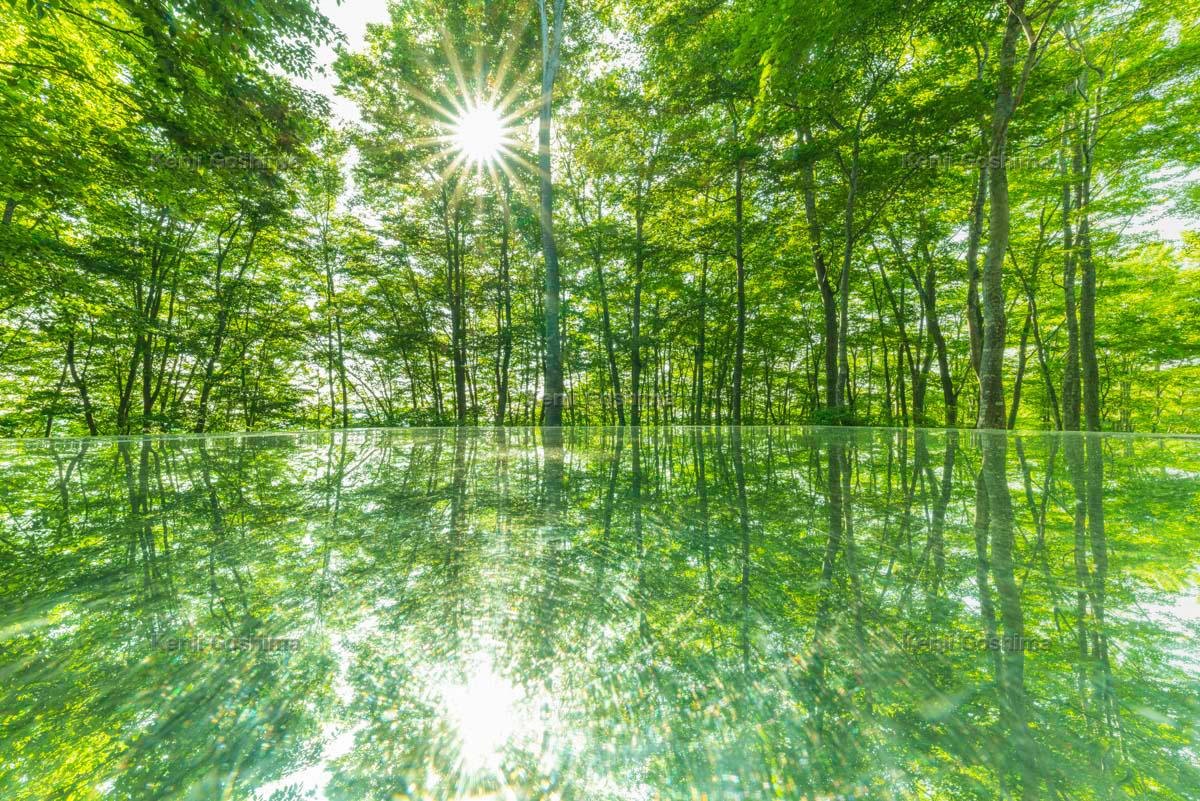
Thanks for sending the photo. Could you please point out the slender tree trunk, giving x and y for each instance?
(505, 289)
(974, 237)
(435, 381)
(610, 351)
(224, 301)
(553, 391)
(700, 354)
(739, 357)
(905, 350)
(54, 400)
(1071, 388)
(1087, 309)
(828, 300)
(949, 395)
(927, 292)
(975, 229)
(80, 385)
(125, 388)
(341, 354)
(147, 383)
(1022, 357)
(335, 325)
(456, 298)
(1043, 359)
(459, 343)
(636, 345)
(991, 363)
(842, 392)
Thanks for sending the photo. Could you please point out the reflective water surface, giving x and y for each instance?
(682, 613)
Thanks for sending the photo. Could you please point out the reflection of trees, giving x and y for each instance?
(942, 489)
(135, 568)
(158, 594)
(1019, 765)
(724, 612)
(1093, 670)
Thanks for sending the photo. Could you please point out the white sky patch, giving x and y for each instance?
(1164, 220)
(351, 18)
(338, 737)
(312, 780)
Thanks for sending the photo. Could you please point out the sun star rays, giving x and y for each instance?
(478, 123)
(480, 134)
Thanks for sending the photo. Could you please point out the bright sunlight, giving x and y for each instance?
(479, 133)
(483, 711)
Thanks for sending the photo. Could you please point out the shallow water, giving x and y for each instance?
(684, 613)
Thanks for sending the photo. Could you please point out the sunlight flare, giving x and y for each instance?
(479, 134)
(483, 712)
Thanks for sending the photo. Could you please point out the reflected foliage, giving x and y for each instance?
(604, 613)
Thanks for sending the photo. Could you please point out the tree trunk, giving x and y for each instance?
(1087, 305)
(636, 345)
(975, 230)
(828, 301)
(610, 351)
(974, 236)
(1043, 359)
(1070, 391)
(224, 300)
(927, 292)
(1022, 357)
(739, 357)
(452, 223)
(843, 371)
(88, 415)
(505, 316)
(697, 416)
(991, 362)
(553, 391)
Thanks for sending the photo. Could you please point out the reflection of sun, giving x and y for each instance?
(483, 711)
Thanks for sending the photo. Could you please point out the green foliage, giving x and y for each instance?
(189, 243)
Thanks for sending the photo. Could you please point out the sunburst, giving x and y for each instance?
(479, 134)
(479, 121)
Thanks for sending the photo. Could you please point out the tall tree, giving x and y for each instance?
(551, 27)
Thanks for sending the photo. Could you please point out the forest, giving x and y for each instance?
(734, 212)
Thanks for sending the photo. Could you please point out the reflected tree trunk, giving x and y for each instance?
(739, 472)
(1020, 767)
